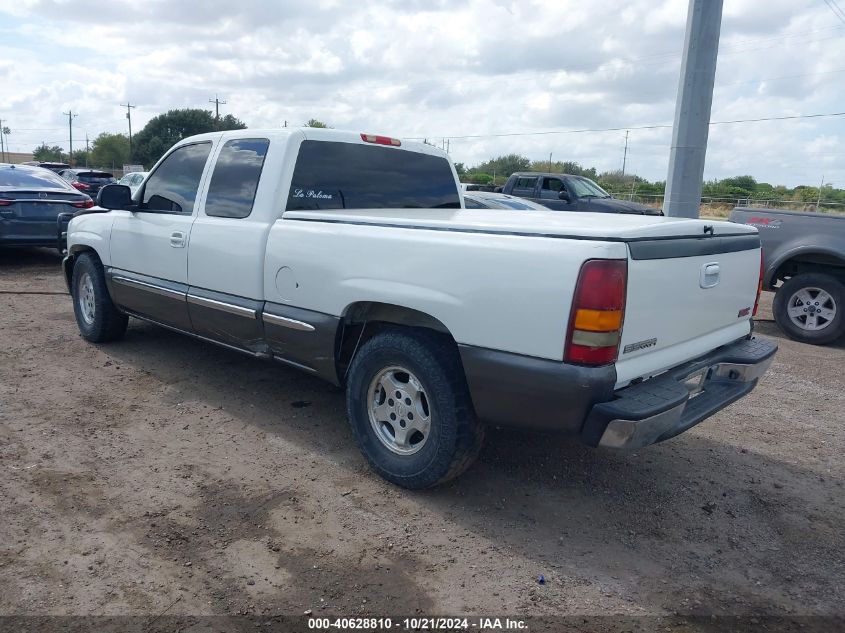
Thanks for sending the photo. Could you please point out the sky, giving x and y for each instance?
(437, 69)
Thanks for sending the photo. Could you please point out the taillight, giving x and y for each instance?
(83, 204)
(598, 310)
(759, 286)
(80, 185)
(5, 203)
(380, 140)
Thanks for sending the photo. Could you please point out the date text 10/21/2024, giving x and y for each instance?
(419, 624)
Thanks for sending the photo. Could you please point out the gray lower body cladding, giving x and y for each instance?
(303, 338)
(515, 390)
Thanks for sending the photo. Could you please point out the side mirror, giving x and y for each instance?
(114, 197)
(564, 195)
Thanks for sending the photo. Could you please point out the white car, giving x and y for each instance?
(133, 180)
(350, 257)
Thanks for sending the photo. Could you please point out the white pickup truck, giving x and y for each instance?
(350, 256)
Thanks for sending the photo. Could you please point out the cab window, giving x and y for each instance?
(336, 175)
(551, 188)
(235, 179)
(172, 187)
(525, 186)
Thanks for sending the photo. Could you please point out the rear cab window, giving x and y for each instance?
(337, 175)
(96, 177)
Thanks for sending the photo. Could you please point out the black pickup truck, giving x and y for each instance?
(563, 192)
(804, 263)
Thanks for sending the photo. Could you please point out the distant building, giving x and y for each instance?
(17, 157)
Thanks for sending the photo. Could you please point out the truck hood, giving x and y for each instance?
(599, 226)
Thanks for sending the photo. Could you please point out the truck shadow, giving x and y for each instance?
(31, 259)
(770, 328)
(696, 525)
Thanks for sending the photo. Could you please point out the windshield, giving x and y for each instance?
(30, 179)
(586, 188)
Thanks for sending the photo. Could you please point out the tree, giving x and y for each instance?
(166, 129)
(461, 169)
(745, 183)
(48, 154)
(315, 123)
(504, 166)
(80, 158)
(110, 150)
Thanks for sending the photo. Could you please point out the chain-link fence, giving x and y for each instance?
(722, 206)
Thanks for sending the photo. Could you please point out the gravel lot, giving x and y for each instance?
(161, 474)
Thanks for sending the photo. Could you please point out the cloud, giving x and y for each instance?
(437, 69)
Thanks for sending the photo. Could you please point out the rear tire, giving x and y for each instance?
(810, 308)
(410, 410)
(98, 319)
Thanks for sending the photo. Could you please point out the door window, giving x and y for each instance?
(172, 187)
(551, 188)
(235, 178)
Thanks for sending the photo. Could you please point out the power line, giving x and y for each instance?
(837, 11)
(635, 127)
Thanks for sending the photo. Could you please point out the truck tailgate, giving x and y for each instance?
(686, 297)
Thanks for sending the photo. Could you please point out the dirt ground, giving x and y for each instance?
(165, 475)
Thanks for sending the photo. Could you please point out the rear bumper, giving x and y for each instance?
(512, 390)
(665, 406)
(41, 232)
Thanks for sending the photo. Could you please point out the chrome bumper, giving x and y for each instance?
(663, 407)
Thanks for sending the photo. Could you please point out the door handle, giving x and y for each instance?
(177, 239)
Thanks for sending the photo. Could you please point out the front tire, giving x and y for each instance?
(811, 308)
(410, 410)
(98, 319)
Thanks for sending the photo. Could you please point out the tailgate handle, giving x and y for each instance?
(709, 275)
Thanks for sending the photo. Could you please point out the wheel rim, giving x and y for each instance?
(399, 410)
(85, 298)
(811, 309)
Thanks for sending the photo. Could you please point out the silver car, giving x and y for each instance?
(133, 180)
(491, 200)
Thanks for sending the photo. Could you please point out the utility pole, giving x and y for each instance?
(821, 186)
(70, 116)
(86, 149)
(2, 143)
(692, 109)
(448, 144)
(129, 107)
(625, 153)
(550, 162)
(216, 101)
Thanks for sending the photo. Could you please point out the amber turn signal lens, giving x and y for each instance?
(598, 320)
